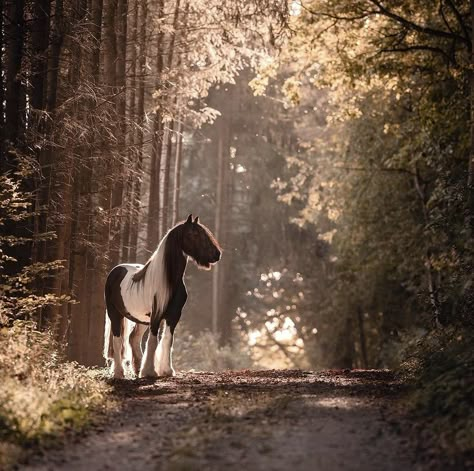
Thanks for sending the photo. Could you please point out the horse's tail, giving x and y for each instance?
(108, 344)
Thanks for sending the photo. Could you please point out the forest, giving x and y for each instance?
(327, 144)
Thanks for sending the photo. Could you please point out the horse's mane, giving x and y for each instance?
(173, 257)
(175, 260)
(140, 274)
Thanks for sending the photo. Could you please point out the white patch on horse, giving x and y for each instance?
(118, 367)
(138, 296)
(148, 365)
(164, 354)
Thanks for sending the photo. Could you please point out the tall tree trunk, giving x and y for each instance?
(470, 178)
(153, 226)
(39, 71)
(57, 38)
(122, 154)
(430, 278)
(167, 150)
(14, 34)
(140, 113)
(132, 173)
(221, 158)
(76, 319)
(2, 81)
(177, 172)
(115, 32)
(167, 140)
(39, 42)
(53, 181)
(92, 304)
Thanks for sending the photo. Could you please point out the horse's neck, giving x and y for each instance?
(156, 283)
(165, 271)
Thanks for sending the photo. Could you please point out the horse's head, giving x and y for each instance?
(199, 243)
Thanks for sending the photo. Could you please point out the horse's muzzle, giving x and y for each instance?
(217, 256)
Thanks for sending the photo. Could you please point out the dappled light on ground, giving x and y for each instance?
(267, 419)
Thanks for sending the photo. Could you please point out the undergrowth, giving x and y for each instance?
(440, 369)
(202, 352)
(41, 395)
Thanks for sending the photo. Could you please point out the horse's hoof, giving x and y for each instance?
(148, 374)
(166, 373)
(119, 374)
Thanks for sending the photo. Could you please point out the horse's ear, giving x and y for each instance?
(196, 220)
(190, 219)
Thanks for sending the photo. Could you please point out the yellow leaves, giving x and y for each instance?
(328, 236)
(292, 90)
(267, 69)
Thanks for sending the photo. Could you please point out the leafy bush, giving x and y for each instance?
(40, 395)
(203, 353)
(440, 368)
(18, 298)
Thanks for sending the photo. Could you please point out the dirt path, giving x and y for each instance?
(251, 420)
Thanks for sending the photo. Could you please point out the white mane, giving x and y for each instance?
(155, 282)
(138, 295)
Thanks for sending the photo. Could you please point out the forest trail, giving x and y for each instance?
(254, 420)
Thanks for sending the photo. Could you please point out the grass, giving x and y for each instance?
(41, 395)
(440, 370)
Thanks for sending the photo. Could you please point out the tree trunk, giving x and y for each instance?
(53, 66)
(113, 29)
(140, 113)
(432, 288)
(470, 177)
(2, 82)
(221, 157)
(177, 172)
(167, 150)
(39, 42)
(153, 226)
(39, 71)
(167, 140)
(130, 136)
(92, 175)
(362, 340)
(14, 33)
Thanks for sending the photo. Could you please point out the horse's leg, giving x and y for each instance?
(148, 364)
(164, 366)
(117, 326)
(135, 340)
(172, 316)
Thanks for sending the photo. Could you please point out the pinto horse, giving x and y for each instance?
(153, 295)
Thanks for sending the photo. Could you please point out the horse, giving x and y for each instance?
(152, 296)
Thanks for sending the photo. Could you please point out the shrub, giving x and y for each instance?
(203, 353)
(440, 368)
(40, 394)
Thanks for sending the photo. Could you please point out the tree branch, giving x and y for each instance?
(382, 10)
(422, 47)
(461, 22)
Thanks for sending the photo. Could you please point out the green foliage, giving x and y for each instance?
(440, 368)
(41, 395)
(380, 171)
(202, 352)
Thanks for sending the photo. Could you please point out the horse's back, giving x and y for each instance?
(117, 275)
